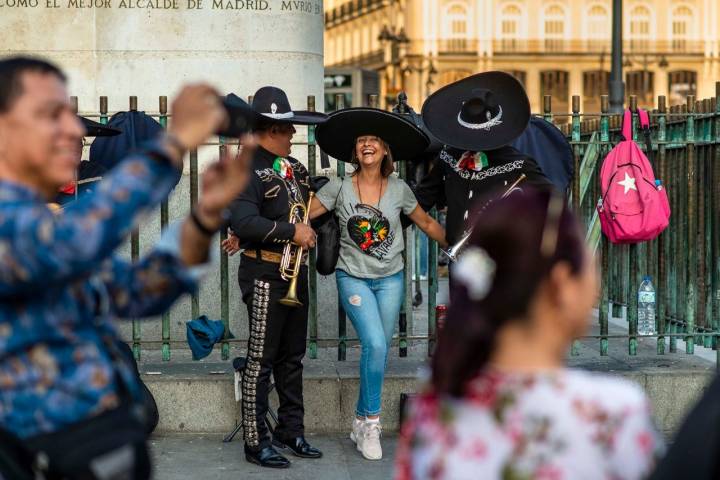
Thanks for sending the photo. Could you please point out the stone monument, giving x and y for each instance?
(149, 48)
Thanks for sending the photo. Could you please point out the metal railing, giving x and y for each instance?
(592, 46)
(683, 260)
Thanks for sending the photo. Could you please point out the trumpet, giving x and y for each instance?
(454, 251)
(292, 255)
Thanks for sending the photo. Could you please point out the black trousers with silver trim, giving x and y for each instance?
(276, 346)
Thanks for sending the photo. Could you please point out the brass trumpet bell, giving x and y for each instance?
(292, 256)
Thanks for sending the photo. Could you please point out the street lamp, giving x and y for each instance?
(395, 40)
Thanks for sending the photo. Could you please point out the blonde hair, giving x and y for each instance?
(387, 167)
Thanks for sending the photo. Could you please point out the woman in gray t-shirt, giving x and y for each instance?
(369, 274)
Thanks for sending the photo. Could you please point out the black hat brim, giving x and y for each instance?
(440, 112)
(97, 129)
(299, 117)
(337, 136)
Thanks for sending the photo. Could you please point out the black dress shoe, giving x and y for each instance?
(266, 457)
(298, 446)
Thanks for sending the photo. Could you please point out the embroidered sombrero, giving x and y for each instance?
(337, 136)
(482, 112)
(272, 104)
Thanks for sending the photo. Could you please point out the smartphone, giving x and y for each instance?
(241, 117)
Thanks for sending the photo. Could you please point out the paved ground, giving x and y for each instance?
(205, 457)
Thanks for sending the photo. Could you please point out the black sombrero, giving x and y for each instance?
(97, 129)
(482, 112)
(337, 136)
(272, 105)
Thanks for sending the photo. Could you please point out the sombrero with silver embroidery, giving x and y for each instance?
(337, 137)
(272, 105)
(482, 112)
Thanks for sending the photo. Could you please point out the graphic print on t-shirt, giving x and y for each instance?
(370, 230)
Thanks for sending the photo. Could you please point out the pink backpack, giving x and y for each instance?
(634, 207)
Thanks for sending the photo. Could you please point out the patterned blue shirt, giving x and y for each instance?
(61, 285)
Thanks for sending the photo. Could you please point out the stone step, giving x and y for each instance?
(199, 397)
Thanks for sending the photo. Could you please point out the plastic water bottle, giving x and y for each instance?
(646, 307)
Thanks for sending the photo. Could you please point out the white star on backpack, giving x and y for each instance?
(628, 183)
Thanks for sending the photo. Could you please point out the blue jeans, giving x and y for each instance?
(373, 305)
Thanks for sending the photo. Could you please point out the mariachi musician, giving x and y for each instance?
(476, 119)
(262, 221)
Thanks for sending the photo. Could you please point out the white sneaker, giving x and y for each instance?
(356, 430)
(369, 442)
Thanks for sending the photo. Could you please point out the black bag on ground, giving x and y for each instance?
(152, 414)
(109, 446)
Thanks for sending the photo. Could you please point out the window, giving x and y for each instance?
(330, 51)
(554, 28)
(595, 84)
(639, 37)
(642, 84)
(598, 27)
(510, 28)
(356, 46)
(455, 28)
(681, 84)
(450, 76)
(682, 19)
(555, 83)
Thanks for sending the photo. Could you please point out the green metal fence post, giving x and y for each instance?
(432, 288)
(605, 250)
(575, 349)
(663, 244)
(224, 273)
(707, 188)
(312, 273)
(675, 182)
(403, 317)
(164, 219)
(547, 108)
(691, 278)
(715, 107)
(633, 262)
(194, 183)
(134, 255)
(701, 199)
(342, 317)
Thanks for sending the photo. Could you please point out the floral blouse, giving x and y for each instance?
(562, 425)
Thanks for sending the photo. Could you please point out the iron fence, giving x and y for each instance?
(683, 261)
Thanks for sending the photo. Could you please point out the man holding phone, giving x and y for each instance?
(68, 400)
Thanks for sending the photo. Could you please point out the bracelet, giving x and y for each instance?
(199, 225)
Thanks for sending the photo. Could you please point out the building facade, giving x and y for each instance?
(554, 47)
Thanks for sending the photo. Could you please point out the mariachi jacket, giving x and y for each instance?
(457, 183)
(259, 217)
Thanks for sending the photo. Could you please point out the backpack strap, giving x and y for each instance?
(645, 126)
(627, 125)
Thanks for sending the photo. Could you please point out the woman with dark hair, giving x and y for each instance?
(501, 403)
(369, 274)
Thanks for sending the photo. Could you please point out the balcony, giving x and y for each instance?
(512, 46)
(369, 60)
(458, 46)
(351, 10)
